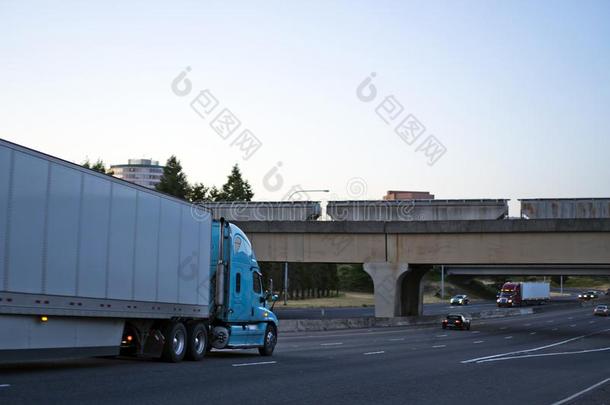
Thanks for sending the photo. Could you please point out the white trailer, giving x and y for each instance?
(535, 292)
(90, 263)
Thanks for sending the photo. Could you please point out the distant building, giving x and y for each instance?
(145, 172)
(408, 195)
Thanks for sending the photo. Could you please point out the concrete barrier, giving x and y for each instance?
(312, 325)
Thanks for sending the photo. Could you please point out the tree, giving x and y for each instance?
(173, 180)
(98, 166)
(198, 192)
(236, 188)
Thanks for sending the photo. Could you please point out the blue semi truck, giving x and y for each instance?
(91, 265)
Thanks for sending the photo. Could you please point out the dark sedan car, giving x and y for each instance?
(456, 321)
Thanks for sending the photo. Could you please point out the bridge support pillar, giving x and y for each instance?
(386, 281)
(412, 291)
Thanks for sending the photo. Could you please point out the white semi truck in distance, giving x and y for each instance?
(92, 265)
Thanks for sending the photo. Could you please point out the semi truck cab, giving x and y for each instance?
(509, 295)
(243, 316)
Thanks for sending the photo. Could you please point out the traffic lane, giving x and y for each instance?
(423, 376)
(544, 324)
(527, 379)
(122, 380)
(442, 308)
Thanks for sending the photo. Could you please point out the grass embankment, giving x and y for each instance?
(345, 299)
(587, 282)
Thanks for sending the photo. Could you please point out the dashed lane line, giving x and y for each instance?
(508, 337)
(331, 344)
(260, 363)
(372, 353)
(476, 342)
(439, 346)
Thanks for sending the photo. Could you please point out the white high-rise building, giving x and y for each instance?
(145, 172)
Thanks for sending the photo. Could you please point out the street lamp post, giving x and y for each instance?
(285, 283)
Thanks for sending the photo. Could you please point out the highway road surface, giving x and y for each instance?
(545, 358)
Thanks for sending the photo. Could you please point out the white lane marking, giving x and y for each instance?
(535, 349)
(476, 331)
(253, 364)
(554, 329)
(551, 321)
(573, 325)
(570, 318)
(532, 333)
(441, 335)
(370, 353)
(579, 393)
(478, 341)
(5, 385)
(591, 321)
(526, 356)
(508, 337)
(396, 339)
(504, 328)
(439, 346)
(528, 324)
(331, 344)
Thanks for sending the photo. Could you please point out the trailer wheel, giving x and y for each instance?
(269, 341)
(197, 345)
(174, 347)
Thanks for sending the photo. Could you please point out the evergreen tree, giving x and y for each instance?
(198, 192)
(236, 188)
(173, 180)
(98, 166)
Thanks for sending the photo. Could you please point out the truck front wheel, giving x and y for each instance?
(175, 344)
(197, 345)
(269, 341)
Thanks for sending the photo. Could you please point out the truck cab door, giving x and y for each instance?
(259, 312)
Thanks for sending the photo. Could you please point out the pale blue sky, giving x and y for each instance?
(518, 92)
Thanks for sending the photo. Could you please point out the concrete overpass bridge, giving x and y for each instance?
(397, 254)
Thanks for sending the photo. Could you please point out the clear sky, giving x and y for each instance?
(518, 92)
